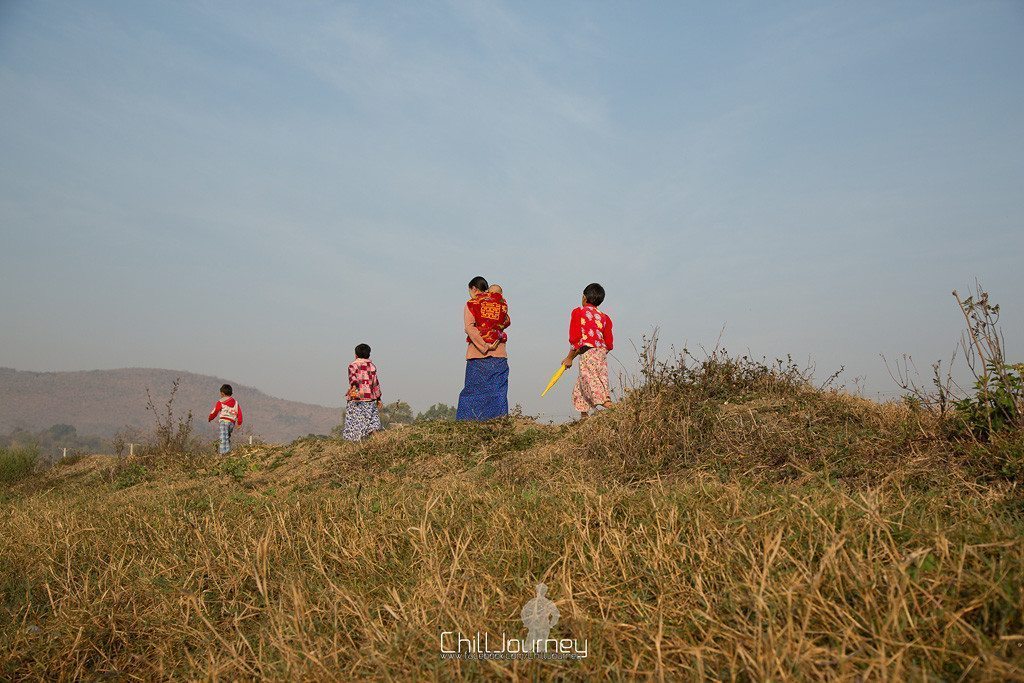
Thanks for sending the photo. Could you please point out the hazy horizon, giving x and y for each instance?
(248, 192)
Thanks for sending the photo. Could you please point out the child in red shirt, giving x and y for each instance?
(590, 336)
(228, 414)
(362, 413)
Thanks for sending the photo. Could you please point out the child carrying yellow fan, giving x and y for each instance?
(590, 337)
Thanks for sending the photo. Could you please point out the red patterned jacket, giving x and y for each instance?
(589, 327)
(490, 311)
(362, 376)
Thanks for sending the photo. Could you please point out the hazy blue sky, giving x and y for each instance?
(249, 190)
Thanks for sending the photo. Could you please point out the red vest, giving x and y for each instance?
(490, 311)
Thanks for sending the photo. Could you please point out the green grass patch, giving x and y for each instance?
(17, 463)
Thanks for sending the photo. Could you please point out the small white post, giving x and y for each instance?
(65, 453)
(250, 439)
(131, 449)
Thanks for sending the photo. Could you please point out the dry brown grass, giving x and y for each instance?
(775, 532)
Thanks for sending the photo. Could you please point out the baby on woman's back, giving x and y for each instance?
(502, 335)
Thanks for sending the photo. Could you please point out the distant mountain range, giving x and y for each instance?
(101, 402)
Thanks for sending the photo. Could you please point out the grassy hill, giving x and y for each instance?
(101, 402)
(731, 522)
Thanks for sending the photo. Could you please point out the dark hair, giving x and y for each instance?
(479, 282)
(594, 294)
(363, 351)
(225, 389)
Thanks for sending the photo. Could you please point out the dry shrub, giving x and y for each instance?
(172, 434)
(740, 414)
(995, 402)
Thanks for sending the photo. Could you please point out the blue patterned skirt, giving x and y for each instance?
(361, 419)
(485, 394)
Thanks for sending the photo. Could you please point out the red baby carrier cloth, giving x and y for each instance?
(491, 315)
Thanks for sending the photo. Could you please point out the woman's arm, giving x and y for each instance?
(473, 333)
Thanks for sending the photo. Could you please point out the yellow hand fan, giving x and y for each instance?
(554, 378)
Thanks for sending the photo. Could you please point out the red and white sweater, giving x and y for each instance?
(228, 410)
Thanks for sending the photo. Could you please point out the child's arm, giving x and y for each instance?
(572, 355)
(575, 336)
(215, 412)
(353, 385)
